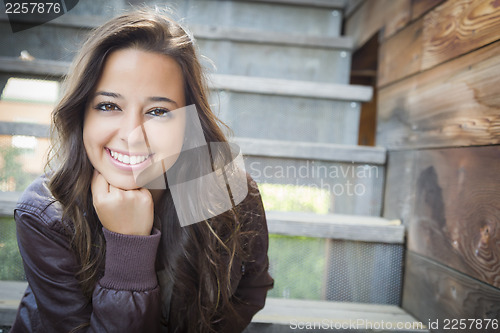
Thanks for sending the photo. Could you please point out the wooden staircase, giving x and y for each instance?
(281, 84)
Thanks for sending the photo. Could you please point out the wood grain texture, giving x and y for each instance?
(373, 16)
(457, 27)
(455, 104)
(434, 292)
(399, 185)
(401, 55)
(448, 31)
(419, 7)
(455, 217)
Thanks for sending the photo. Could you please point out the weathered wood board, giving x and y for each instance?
(373, 16)
(433, 292)
(419, 7)
(455, 104)
(399, 186)
(450, 30)
(450, 203)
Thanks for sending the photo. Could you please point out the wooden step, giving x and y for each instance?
(347, 258)
(341, 188)
(312, 151)
(277, 55)
(234, 51)
(20, 128)
(11, 293)
(262, 108)
(289, 110)
(8, 201)
(279, 114)
(339, 4)
(278, 315)
(210, 32)
(332, 226)
(286, 315)
(336, 226)
(46, 41)
(255, 85)
(270, 16)
(273, 16)
(258, 85)
(350, 179)
(283, 62)
(213, 32)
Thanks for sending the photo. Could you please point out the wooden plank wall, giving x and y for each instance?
(438, 106)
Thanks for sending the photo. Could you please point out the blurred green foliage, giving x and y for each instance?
(12, 174)
(12, 178)
(297, 264)
(294, 198)
(12, 265)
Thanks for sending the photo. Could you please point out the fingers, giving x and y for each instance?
(123, 211)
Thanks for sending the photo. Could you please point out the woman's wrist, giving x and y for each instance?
(130, 261)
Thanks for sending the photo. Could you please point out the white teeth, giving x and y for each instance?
(127, 159)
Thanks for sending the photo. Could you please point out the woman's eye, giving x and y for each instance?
(107, 107)
(160, 113)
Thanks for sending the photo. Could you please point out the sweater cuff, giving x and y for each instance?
(130, 261)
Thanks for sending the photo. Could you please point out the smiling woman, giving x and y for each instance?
(112, 133)
(103, 246)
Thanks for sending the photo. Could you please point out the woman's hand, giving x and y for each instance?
(125, 212)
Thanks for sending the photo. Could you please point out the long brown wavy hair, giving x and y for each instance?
(201, 256)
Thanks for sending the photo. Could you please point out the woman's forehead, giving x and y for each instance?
(131, 71)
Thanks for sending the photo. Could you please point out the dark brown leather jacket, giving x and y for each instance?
(127, 298)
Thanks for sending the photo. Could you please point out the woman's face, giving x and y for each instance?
(131, 132)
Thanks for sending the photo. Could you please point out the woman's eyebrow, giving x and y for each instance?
(151, 99)
(162, 99)
(108, 94)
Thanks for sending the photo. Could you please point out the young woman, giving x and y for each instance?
(103, 249)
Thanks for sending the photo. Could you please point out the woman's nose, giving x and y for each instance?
(132, 129)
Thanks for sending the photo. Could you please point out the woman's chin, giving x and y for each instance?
(149, 180)
(126, 187)
(123, 183)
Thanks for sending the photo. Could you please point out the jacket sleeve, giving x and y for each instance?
(126, 299)
(252, 276)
